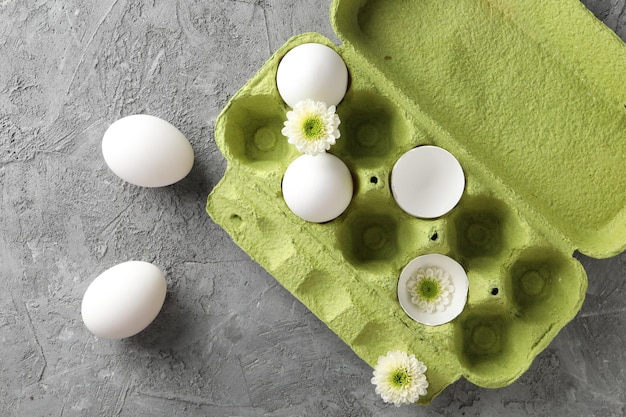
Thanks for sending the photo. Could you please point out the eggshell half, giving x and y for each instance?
(458, 278)
(124, 300)
(147, 151)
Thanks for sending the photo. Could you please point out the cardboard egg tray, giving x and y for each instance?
(531, 99)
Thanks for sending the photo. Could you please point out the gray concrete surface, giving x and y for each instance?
(229, 341)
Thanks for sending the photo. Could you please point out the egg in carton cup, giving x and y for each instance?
(537, 126)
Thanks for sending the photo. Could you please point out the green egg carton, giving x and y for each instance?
(530, 96)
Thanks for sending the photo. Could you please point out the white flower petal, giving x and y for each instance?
(413, 387)
(304, 110)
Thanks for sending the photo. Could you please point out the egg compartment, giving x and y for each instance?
(484, 231)
(489, 344)
(252, 129)
(376, 240)
(372, 128)
(541, 281)
(409, 84)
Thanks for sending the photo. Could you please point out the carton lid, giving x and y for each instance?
(533, 91)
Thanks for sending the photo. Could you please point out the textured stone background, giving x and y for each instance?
(229, 341)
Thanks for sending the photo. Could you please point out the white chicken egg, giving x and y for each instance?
(123, 300)
(317, 188)
(147, 151)
(313, 71)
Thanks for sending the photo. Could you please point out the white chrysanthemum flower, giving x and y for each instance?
(400, 378)
(312, 127)
(430, 289)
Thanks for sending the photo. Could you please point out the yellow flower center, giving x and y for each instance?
(429, 289)
(400, 378)
(313, 128)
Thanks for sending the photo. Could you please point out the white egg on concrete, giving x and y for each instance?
(312, 71)
(124, 299)
(147, 151)
(317, 188)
